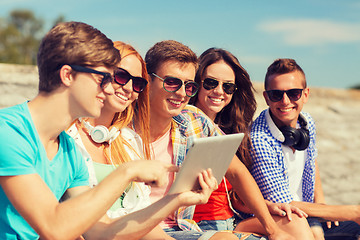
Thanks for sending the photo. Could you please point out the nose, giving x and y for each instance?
(109, 89)
(181, 92)
(219, 89)
(128, 86)
(285, 99)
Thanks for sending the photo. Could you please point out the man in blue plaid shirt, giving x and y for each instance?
(284, 152)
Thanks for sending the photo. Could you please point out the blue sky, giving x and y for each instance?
(323, 36)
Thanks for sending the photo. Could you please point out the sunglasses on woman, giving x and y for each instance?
(107, 78)
(210, 83)
(172, 84)
(122, 77)
(277, 95)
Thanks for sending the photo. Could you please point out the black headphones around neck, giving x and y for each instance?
(296, 138)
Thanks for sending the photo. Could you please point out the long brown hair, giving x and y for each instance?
(238, 115)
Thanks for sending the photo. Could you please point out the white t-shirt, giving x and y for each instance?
(295, 162)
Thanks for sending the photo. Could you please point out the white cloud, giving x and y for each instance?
(312, 31)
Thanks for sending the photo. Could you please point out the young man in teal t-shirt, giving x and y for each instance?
(39, 162)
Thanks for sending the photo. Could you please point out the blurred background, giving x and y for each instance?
(323, 36)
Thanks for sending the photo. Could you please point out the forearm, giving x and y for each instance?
(36, 203)
(245, 186)
(330, 212)
(137, 224)
(85, 209)
(318, 193)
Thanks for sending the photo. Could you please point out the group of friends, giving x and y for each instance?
(94, 154)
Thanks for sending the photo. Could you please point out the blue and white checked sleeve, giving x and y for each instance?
(269, 170)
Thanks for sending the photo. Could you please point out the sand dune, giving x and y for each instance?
(336, 112)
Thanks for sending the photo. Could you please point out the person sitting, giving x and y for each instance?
(284, 153)
(226, 97)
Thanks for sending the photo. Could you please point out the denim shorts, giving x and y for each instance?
(179, 234)
(225, 225)
(218, 225)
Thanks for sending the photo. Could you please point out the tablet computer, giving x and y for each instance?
(209, 152)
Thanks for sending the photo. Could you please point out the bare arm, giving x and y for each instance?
(330, 212)
(140, 223)
(319, 193)
(53, 220)
(245, 186)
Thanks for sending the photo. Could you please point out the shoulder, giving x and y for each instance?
(19, 141)
(132, 138)
(191, 113)
(127, 132)
(193, 117)
(260, 126)
(16, 117)
(261, 136)
(309, 119)
(16, 126)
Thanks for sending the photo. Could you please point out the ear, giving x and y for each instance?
(65, 75)
(306, 94)
(266, 98)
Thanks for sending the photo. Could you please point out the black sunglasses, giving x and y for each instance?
(210, 83)
(107, 78)
(172, 84)
(277, 95)
(122, 77)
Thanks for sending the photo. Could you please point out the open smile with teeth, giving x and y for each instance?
(285, 109)
(176, 102)
(217, 100)
(121, 96)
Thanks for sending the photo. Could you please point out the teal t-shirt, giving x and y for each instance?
(21, 152)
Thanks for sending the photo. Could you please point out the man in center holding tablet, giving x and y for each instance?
(172, 67)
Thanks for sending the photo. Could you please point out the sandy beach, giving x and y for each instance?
(336, 112)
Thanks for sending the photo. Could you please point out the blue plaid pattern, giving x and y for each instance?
(269, 169)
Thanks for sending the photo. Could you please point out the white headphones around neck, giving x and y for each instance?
(100, 133)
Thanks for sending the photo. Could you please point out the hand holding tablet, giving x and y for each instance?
(209, 152)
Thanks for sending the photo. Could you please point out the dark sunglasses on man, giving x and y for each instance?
(107, 78)
(122, 77)
(277, 95)
(210, 83)
(172, 84)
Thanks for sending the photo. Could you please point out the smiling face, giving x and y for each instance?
(124, 95)
(165, 104)
(213, 101)
(286, 112)
(87, 97)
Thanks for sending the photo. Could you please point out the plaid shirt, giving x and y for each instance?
(190, 124)
(269, 168)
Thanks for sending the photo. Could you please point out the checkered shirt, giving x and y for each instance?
(269, 168)
(190, 124)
